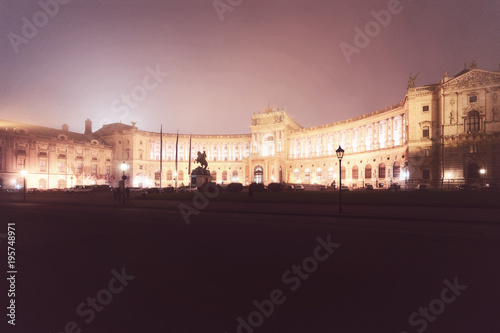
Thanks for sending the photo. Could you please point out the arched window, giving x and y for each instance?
(169, 175)
(381, 170)
(296, 175)
(224, 176)
(180, 175)
(258, 174)
(235, 178)
(473, 171)
(368, 171)
(319, 174)
(330, 173)
(355, 172)
(396, 170)
(61, 183)
(42, 184)
(342, 173)
(472, 122)
(214, 176)
(307, 175)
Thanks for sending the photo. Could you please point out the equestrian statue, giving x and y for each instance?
(202, 159)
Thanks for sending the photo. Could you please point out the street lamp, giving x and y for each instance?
(123, 166)
(23, 173)
(482, 172)
(340, 155)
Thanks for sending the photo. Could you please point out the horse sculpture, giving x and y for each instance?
(202, 159)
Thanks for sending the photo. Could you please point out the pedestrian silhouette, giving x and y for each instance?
(250, 194)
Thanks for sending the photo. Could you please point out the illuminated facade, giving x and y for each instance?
(439, 135)
(52, 158)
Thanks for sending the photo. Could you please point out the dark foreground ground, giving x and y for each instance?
(385, 272)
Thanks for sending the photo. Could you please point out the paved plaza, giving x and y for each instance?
(88, 263)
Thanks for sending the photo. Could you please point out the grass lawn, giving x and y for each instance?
(377, 197)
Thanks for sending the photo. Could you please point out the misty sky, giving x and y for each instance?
(91, 54)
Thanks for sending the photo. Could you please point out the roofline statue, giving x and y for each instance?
(411, 81)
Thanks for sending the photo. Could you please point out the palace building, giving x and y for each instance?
(440, 134)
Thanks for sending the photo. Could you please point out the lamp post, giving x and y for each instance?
(23, 173)
(123, 166)
(340, 155)
(482, 172)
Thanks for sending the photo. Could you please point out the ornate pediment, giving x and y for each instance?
(475, 77)
(473, 107)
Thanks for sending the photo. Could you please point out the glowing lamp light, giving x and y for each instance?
(340, 153)
(123, 166)
(482, 171)
(24, 173)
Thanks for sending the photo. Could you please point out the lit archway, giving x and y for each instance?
(258, 175)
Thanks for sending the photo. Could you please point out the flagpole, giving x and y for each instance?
(176, 155)
(189, 167)
(161, 152)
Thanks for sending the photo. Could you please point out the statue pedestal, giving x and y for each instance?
(200, 176)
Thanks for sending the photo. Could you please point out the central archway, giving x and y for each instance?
(258, 174)
(473, 171)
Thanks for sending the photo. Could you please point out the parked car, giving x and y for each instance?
(464, 187)
(80, 189)
(102, 188)
(490, 187)
(275, 187)
(323, 188)
(290, 188)
(235, 187)
(394, 187)
(298, 187)
(369, 187)
(168, 189)
(421, 187)
(345, 188)
(258, 187)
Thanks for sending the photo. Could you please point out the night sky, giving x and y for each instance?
(215, 68)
